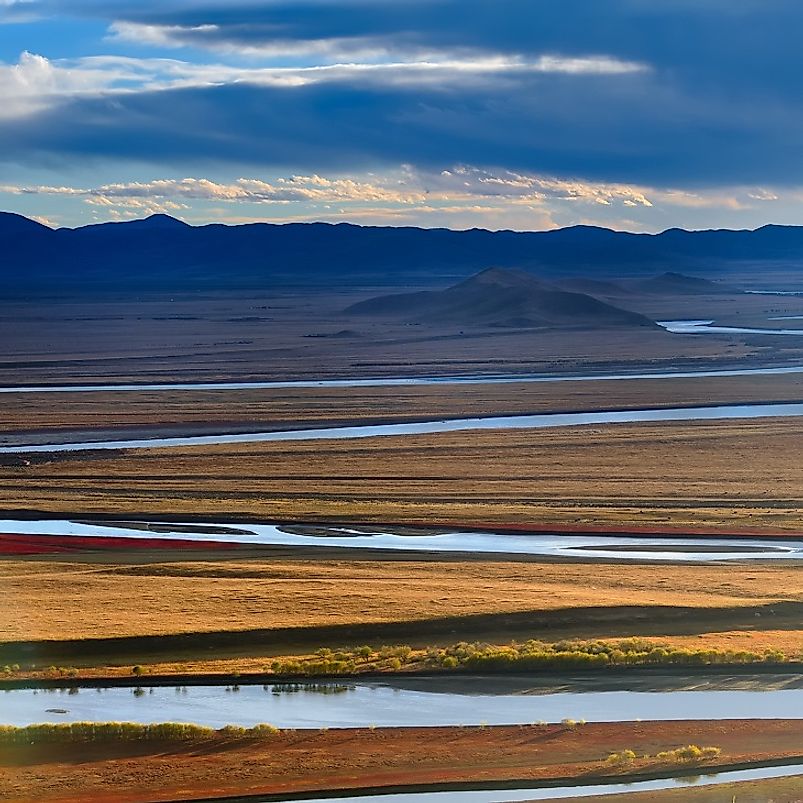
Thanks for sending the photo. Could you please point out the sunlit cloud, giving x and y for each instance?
(356, 49)
(36, 82)
(457, 196)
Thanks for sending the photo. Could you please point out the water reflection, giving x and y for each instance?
(579, 547)
(418, 702)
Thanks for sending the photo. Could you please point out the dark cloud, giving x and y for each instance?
(623, 129)
(719, 104)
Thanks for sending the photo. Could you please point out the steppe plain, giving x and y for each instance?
(96, 613)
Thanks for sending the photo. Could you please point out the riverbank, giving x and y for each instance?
(717, 475)
(776, 790)
(323, 760)
(104, 415)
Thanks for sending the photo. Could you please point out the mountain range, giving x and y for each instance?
(161, 252)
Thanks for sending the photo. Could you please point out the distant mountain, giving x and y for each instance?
(671, 283)
(12, 225)
(497, 297)
(161, 252)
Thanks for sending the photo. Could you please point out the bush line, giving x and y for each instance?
(516, 657)
(69, 732)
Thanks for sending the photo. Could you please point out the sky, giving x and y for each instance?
(638, 115)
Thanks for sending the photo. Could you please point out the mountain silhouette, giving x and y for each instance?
(162, 252)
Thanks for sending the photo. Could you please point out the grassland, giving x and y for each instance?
(230, 612)
(305, 333)
(294, 761)
(26, 414)
(721, 475)
(175, 611)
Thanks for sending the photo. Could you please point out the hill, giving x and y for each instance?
(161, 252)
(593, 287)
(497, 297)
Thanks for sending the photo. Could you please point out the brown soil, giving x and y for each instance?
(342, 759)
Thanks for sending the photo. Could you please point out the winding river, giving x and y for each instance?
(411, 381)
(438, 701)
(700, 327)
(585, 547)
(416, 702)
(539, 421)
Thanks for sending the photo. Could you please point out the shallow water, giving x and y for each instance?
(473, 379)
(561, 793)
(540, 421)
(708, 327)
(423, 702)
(551, 545)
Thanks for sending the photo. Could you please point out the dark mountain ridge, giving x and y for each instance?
(161, 252)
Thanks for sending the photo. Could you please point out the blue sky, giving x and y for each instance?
(522, 114)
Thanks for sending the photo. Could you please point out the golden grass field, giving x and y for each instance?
(289, 606)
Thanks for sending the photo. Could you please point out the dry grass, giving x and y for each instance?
(75, 598)
(724, 475)
(282, 408)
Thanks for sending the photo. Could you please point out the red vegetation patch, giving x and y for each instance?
(13, 544)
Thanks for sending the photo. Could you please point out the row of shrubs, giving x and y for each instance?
(529, 655)
(689, 754)
(67, 732)
(588, 655)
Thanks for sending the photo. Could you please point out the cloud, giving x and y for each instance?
(36, 82)
(626, 93)
(462, 185)
(367, 50)
(623, 129)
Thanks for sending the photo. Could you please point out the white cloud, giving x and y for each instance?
(407, 187)
(588, 65)
(515, 185)
(363, 49)
(36, 82)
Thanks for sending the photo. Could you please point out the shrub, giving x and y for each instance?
(622, 757)
(689, 754)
